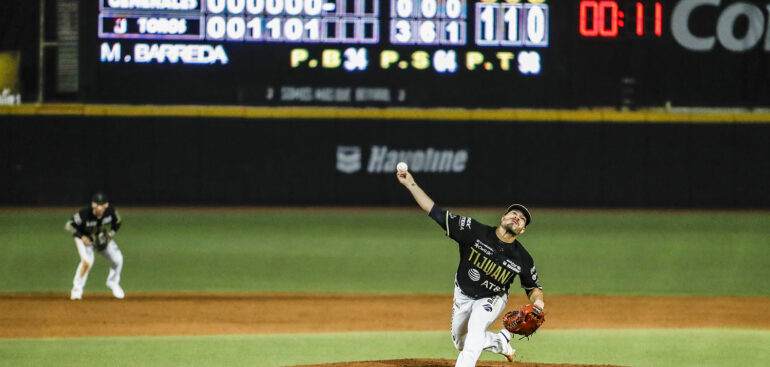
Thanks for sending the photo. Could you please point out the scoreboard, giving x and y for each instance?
(428, 53)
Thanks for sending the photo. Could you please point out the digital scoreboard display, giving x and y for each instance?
(427, 53)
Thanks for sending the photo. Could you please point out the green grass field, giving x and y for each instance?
(394, 251)
(680, 348)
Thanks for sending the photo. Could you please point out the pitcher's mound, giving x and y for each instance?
(444, 363)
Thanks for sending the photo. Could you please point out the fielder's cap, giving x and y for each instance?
(523, 209)
(99, 198)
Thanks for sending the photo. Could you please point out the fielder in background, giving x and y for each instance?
(93, 229)
(490, 258)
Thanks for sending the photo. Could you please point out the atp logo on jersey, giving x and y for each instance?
(474, 275)
(491, 286)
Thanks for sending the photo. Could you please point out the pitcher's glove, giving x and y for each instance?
(524, 321)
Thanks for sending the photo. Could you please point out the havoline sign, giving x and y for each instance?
(381, 159)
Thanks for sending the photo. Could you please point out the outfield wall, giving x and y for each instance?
(323, 157)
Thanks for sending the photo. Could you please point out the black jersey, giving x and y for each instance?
(487, 265)
(85, 223)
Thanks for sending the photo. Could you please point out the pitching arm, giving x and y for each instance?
(422, 199)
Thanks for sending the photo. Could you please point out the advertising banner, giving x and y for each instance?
(310, 162)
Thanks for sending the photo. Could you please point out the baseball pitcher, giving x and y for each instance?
(490, 259)
(93, 229)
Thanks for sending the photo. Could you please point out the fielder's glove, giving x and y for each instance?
(103, 239)
(524, 321)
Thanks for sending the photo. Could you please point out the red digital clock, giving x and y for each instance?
(604, 18)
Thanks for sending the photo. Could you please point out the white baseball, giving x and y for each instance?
(401, 166)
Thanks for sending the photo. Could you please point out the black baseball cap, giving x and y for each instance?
(99, 198)
(523, 209)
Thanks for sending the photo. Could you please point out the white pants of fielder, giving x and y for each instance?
(112, 253)
(470, 319)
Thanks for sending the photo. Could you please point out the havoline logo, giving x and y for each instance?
(383, 160)
(348, 159)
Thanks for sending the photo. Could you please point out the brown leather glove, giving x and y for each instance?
(524, 321)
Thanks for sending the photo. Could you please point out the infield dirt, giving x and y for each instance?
(54, 315)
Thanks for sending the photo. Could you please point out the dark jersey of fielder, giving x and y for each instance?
(487, 265)
(85, 223)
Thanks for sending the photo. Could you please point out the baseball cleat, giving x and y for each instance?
(117, 291)
(76, 294)
(509, 353)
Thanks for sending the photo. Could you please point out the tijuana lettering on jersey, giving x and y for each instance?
(487, 266)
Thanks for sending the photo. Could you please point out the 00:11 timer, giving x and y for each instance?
(605, 18)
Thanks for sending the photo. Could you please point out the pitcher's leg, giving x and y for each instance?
(482, 316)
(498, 342)
(461, 312)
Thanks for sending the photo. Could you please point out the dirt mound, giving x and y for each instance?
(443, 363)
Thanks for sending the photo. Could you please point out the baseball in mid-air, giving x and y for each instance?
(401, 166)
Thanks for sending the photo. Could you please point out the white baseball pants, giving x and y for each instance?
(111, 252)
(470, 319)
